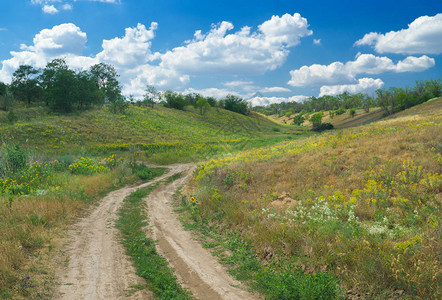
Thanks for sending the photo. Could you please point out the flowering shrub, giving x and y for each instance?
(86, 166)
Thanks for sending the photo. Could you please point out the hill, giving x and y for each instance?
(142, 130)
(362, 203)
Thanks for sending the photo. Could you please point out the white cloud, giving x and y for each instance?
(131, 50)
(212, 92)
(317, 41)
(66, 6)
(49, 9)
(366, 85)
(263, 101)
(65, 40)
(241, 52)
(423, 35)
(237, 83)
(338, 72)
(274, 89)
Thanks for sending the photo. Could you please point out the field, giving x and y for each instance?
(363, 204)
(54, 167)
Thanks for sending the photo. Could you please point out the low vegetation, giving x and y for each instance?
(362, 203)
(148, 263)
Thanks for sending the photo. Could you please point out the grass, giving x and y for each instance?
(146, 130)
(363, 204)
(36, 205)
(148, 263)
(276, 279)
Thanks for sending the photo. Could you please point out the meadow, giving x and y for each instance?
(362, 204)
(54, 167)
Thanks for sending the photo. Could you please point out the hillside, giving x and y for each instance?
(140, 129)
(362, 203)
(361, 117)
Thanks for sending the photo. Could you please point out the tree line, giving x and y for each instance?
(60, 88)
(390, 100)
(64, 90)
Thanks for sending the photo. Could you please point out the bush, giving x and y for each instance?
(119, 105)
(352, 112)
(12, 159)
(316, 119)
(175, 100)
(12, 118)
(235, 104)
(322, 127)
(340, 111)
(86, 166)
(298, 120)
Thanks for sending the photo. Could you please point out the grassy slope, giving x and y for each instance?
(80, 133)
(364, 202)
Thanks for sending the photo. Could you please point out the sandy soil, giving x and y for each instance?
(195, 267)
(99, 269)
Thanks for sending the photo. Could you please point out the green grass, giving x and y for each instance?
(141, 129)
(276, 279)
(148, 263)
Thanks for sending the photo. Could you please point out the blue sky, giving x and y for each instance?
(282, 49)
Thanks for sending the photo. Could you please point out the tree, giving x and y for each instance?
(212, 101)
(25, 84)
(119, 105)
(202, 105)
(63, 92)
(316, 119)
(298, 119)
(106, 79)
(151, 96)
(87, 93)
(386, 100)
(352, 112)
(235, 104)
(175, 100)
(47, 77)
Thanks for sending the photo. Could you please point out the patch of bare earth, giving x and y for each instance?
(98, 267)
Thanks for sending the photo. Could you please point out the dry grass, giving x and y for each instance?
(364, 203)
(31, 227)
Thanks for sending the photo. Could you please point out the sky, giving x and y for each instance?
(263, 51)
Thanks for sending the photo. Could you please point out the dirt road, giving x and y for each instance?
(99, 269)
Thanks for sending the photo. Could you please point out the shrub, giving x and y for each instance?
(12, 118)
(352, 112)
(298, 119)
(323, 126)
(235, 104)
(340, 111)
(175, 100)
(86, 166)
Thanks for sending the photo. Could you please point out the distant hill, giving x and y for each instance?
(98, 129)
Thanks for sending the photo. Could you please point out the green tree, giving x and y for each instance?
(316, 119)
(202, 105)
(151, 95)
(47, 77)
(119, 105)
(235, 104)
(175, 100)
(25, 84)
(106, 79)
(352, 112)
(298, 119)
(63, 92)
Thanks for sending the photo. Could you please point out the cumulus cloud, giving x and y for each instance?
(338, 72)
(132, 49)
(65, 40)
(219, 51)
(317, 41)
(366, 85)
(241, 52)
(263, 101)
(423, 35)
(49, 9)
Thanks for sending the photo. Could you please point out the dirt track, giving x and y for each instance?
(99, 269)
